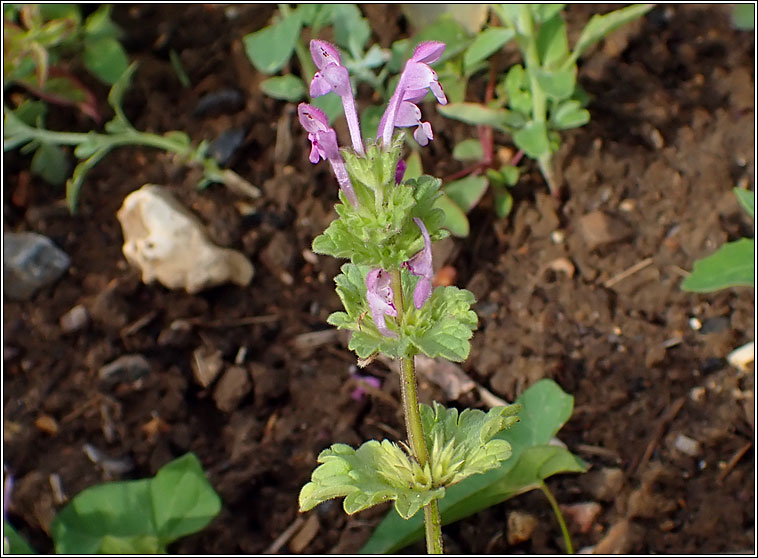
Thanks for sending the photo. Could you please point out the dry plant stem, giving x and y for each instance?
(432, 521)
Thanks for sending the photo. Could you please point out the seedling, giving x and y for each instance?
(386, 227)
(24, 129)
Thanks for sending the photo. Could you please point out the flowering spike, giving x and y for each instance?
(333, 76)
(380, 299)
(416, 78)
(421, 266)
(324, 145)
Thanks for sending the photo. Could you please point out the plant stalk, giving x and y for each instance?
(413, 425)
(558, 516)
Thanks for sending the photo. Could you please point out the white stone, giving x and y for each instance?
(169, 244)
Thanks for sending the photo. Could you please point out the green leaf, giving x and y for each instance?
(552, 42)
(730, 266)
(747, 200)
(99, 23)
(351, 29)
(466, 192)
(601, 25)
(374, 473)
(516, 85)
(118, 90)
(545, 408)
(370, 118)
(545, 12)
(503, 202)
(533, 139)
(50, 163)
(137, 516)
(330, 104)
(468, 150)
(14, 543)
(743, 17)
(74, 183)
(444, 325)
(569, 114)
(414, 167)
(31, 113)
(270, 48)
(455, 219)
(184, 502)
(287, 88)
(485, 44)
(105, 58)
(474, 113)
(557, 84)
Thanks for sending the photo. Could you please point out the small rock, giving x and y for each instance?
(269, 383)
(206, 364)
(715, 325)
(112, 467)
(582, 515)
(232, 388)
(128, 368)
(226, 145)
(175, 335)
(47, 424)
(620, 539)
(75, 319)
(305, 535)
(599, 229)
(222, 101)
(30, 261)
(108, 308)
(521, 526)
(687, 445)
(604, 485)
(741, 357)
(169, 244)
(278, 256)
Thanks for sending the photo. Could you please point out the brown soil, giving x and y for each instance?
(671, 133)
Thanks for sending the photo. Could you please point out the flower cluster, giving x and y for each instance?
(402, 111)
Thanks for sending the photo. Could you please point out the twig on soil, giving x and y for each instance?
(396, 434)
(234, 322)
(599, 452)
(137, 325)
(282, 539)
(733, 462)
(639, 266)
(660, 428)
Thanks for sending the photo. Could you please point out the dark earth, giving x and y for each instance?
(672, 132)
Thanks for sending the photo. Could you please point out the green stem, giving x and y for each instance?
(559, 517)
(413, 425)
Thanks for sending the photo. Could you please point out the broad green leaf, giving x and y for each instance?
(466, 192)
(351, 29)
(16, 544)
(414, 168)
(50, 163)
(471, 16)
(747, 200)
(105, 58)
(99, 23)
(270, 48)
(446, 30)
(552, 42)
(533, 139)
(545, 12)
(455, 219)
(557, 84)
(474, 113)
(743, 17)
(287, 88)
(503, 202)
(545, 408)
(485, 44)
(730, 266)
(569, 114)
(184, 502)
(468, 150)
(330, 104)
(137, 516)
(601, 25)
(370, 118)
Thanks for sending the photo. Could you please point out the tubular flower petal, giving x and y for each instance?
(400, 171)
(380, 299)
(416, 78)
(324, 145)
(420, 265)
(333, 76)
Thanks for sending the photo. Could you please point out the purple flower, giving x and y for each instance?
(333, 76)
(421, 266)
(380, 299)
(324, 145)
(360, 391)
(400, 171)
(416, 78)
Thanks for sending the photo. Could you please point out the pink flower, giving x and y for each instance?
(380, 299)
(421, 266)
